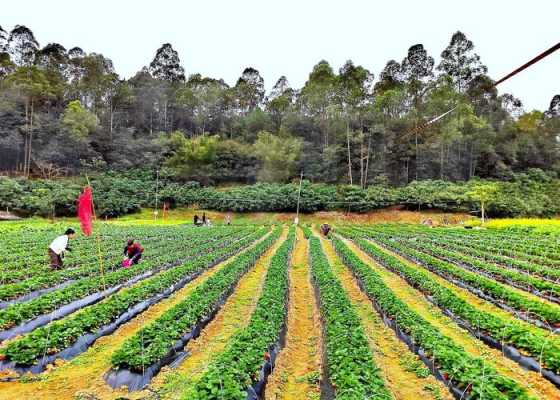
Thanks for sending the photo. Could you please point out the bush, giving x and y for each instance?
(533, 193)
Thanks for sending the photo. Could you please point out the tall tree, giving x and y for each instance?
(280, 100)
(22, 46)
(34, 87)
(249, 90)
(355, 90)
(417, 70)
(166, 65)
(459, 61)
(554, 108)
(318, 96)
(3, 40)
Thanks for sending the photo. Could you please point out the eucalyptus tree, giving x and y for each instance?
(34, 88)
(318, 97)
(249, 91)
(280, 100)
(166, 68)
(22, 46)
(417, 72)
(460, 62)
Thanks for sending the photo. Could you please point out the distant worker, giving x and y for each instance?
(195, 219)
(59, 246)
(132, 252)
(325, 229)
(203, 218)
(227, 219)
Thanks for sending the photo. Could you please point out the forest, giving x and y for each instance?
(64, 112)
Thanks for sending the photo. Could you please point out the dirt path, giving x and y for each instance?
(391, 355)
(298, 366)
(82, 377)
(538, 386)
(233, 316)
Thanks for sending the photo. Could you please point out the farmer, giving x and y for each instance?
(59, 246)
(195, 219)
(133, 251)
(203, 218)
(227, 220)
(325, 229)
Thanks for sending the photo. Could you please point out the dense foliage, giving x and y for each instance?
(531, 193)
(63, 110)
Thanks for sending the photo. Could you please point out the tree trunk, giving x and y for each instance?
(441, 161)
(416, 155)
(367, 161)
(349, 157)
(362, 163)
(30, 146)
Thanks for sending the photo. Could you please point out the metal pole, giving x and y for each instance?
(298, 197)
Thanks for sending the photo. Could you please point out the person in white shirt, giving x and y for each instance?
(59, 246)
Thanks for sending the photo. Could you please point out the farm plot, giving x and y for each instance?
(281, 313)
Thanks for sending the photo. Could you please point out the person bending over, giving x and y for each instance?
(133, 251)
(59, 246)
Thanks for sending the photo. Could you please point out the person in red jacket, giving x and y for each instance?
(133, 251)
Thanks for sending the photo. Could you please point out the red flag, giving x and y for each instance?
(85, 210)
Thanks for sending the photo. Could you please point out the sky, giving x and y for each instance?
(219, 38)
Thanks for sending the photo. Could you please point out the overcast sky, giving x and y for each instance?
(220, 38)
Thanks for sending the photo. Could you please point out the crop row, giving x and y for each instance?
(51, 278)
(502, 294)
(237, 368)
(511, 277)
(17, 252)
(61, 334)
(488, 251)
(523, 336)
(351, 367)
(83, 258)
(534, 247)
(20, 312)
(154, 341)
(470, 376)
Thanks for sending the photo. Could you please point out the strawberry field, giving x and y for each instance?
(386, 311)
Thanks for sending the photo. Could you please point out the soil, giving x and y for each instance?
(232, 317)
(82, 377)
(535, 384)
(297, 371)
(388, 350)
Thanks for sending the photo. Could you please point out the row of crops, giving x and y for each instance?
(127, 330)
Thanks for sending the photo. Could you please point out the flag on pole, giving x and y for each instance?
(85, 210)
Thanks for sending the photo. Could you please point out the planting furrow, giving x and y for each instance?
(527, 345)
(50, 278)
(71, 336)
(84, 375)
(142, 356)
(297, 372)
(241, 371)
(487, 252)
(349, 364)
(24, 317)
(467, 375)
(404, 373)
(530, 284)
(523, 305)
(235, 314)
